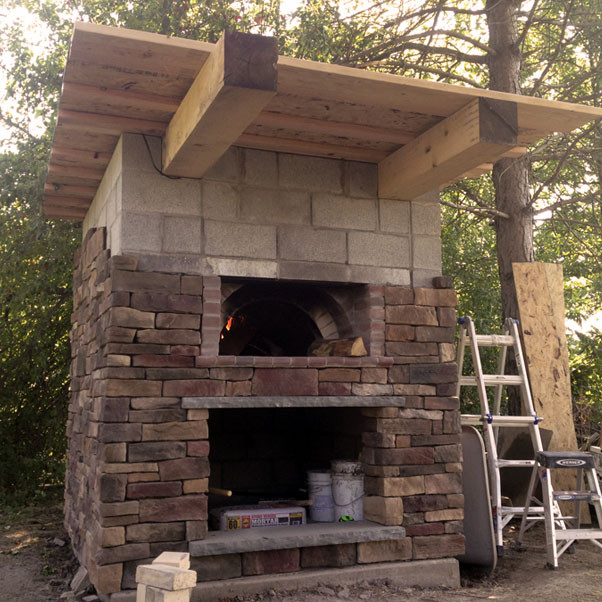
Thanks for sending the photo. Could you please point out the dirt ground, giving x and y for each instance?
(36, 565)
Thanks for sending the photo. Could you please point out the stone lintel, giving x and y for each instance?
(302, 536)
(300, 401)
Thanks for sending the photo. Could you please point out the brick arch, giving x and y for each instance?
(324, 310)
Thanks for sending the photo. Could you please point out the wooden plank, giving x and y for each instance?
(83, 192)
(310, 78)
(69, 174)
(79, 157)
(381, 149)
(109, 124)
(125, 103)
(69, 213)
(333, 128)
(66, 201)
(480, 132)
(231, 89)
(316, 149)
(540, 294)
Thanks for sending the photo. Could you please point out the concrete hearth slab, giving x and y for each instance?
(302, 536)
(301, 401)
(419, 573)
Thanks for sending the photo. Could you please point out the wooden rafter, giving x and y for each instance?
(231, 89)
(482, 131)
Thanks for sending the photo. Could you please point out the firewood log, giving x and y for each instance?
(352, 347)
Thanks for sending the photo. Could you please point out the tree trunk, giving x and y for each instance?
(510, 176)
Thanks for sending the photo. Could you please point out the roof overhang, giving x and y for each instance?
(203, 98)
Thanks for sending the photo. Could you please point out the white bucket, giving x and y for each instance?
(348, 495)
(319, 487)
(346, 467)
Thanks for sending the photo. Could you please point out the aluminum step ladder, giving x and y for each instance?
(492, 421)
(559, 536)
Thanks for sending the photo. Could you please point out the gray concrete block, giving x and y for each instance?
(317, 271)
(150, 192)
(308, 244)
(361, 179)
(310, 173)
(228, 168)
(182, 234)
(140, 155)
(114, 236)
(333, 211)
(187, 264)
(260, 168)
(141, 231)
(382, 250)
(375, 275)
(249, 268)
(219, 200)
(424, 278)
(394, 216)
(426, 252)
(426, 218)
(269, 206)
(240, 240)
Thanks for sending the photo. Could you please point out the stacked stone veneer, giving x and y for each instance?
(137, 475)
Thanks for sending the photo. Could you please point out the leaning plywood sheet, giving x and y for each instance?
(540, 294)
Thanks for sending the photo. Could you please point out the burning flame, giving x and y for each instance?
(228, 326)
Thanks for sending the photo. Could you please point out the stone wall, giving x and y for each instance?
(266, 215)
(138, 468)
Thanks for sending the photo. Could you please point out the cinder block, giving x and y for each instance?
(182, 235)
(361, 179)
(140, 154)
(240, 240)
(426, 253)
(248, 268)
(426, 218)
(394, 216)
(269, 206)
(309, 244)
(179, 560)
(165, 577)
(310, 173)
(229, 166)
(140, 232)
(219, 200)
(382, 250)
(335, 211)
(326, 272)
(376, 275)
(261, 168)
(150, 192)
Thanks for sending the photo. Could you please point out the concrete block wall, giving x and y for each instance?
(267, 215)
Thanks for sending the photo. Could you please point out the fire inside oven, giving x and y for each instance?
(268, 327)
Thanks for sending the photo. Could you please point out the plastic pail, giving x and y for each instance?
(348, 495)
(319, 486)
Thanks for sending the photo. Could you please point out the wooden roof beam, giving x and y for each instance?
(481, 132)
(234, 85)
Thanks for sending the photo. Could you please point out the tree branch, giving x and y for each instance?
(567, 201)
(480, 211)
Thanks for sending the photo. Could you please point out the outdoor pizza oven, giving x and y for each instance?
(232, 333)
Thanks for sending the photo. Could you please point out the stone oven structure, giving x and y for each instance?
(232, 216)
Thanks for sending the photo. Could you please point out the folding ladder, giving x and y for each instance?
(559, 538)
(492, 421)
